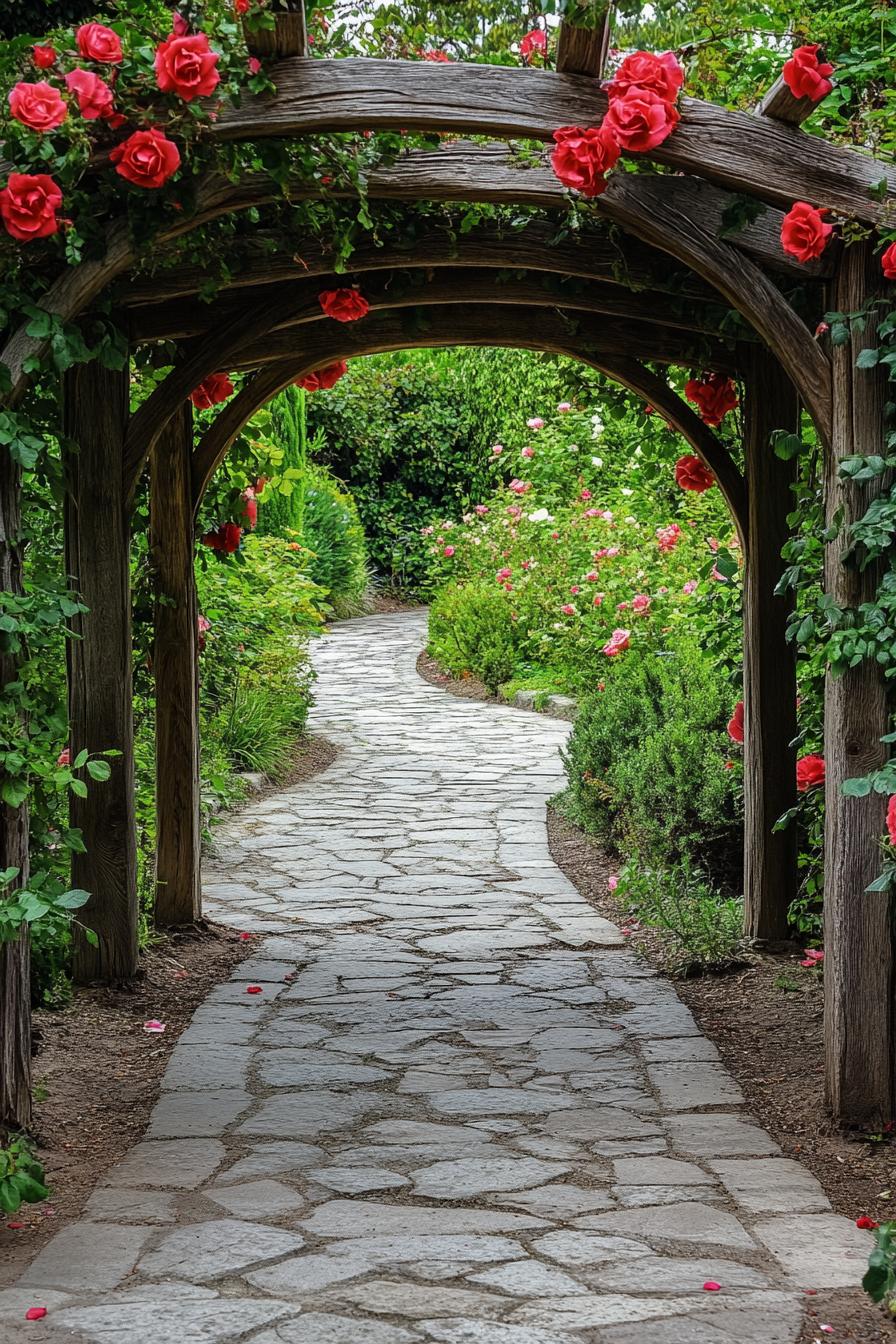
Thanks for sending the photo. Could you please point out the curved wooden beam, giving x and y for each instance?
(748, 153)
(266, 332)
(413, 282)
(485, 326)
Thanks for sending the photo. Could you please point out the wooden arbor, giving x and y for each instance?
(664, 223)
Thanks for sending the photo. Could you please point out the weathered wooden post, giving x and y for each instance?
(15, 992)
(859, 952)
(770, 857)
(95, 418)
(175, 665)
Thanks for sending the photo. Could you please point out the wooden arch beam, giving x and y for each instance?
(252, 337)
(411, 283)
(521, 329)
(767, 159)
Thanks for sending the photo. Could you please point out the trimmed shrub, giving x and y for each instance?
(646, 764)
(332, 532)
(470, 629)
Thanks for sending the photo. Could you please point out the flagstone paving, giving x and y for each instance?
(458, 1110)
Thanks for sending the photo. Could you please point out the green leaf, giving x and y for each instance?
(99, 770)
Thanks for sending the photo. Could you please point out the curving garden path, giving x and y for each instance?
(458, 1110)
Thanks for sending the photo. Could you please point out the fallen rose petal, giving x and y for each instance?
(710, 1286)
(15, 1227)
(866, 1224)
(35, 1313)
(154, 1025)
(253, 989)
(828, 1329)
(245, 937)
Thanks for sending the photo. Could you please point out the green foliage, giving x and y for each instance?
(411, 438)
(698, 929)
(332, 533)
(21, 1175)
(471, 630)
(880, 1277)
(281, 513)
(646, 763)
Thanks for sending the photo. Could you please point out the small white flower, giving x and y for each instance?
(540, 516)
(638, 452)
(626, 491)
(597, 462)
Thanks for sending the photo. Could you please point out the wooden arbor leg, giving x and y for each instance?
(15, 957)
(859, 952)
(175, 664)
(770, 858)
(95, 415)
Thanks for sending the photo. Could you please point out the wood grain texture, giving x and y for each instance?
(859, 969)
(265, 259)
(188, 319)
(583, 51)
(178, 897)
(782, 105)
(288, 37)
(95, 412)
(770, 857)
(768, 159)
(15, 957)
(520, 328)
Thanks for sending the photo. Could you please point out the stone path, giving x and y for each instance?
(456, 1110)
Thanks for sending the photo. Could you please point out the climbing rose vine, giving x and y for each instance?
(344, 305)
(214, 389)
(806, 74)
(323, 379)
(690, 474)
(713, 394)
(804, 234)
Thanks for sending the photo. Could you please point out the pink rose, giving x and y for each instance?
(646, 70)
(583, 157)
(40, 107)
(185, 66)
(96, 42)
(448, 552)
(617, 643)
(95, 98)
(640, 120)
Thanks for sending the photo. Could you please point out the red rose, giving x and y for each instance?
(241, 6)
(439, 57)
(323, 379)
(28, 205)
(806, 76)
(690, 474)
(344, 305)
(891, 819)
(43, 57)
(645, 70)
(736, 723)
(640, 119)
(38, 106)
(179, 25)
(866, 1224)
(214, 389)
(186, 66)
(98, 43)
(809, 772)
(583, 158)
(534, 44)
(713, 394)
(226, 537)
(888, 262)
(804, 233)
(94, 96)
(146, 158)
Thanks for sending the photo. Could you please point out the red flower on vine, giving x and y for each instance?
(804, 234)
(713, 394)
(321, 380)
(661, 74)
(96, 42)
(43, 57)
(690, 474)
(888, 262)
(344, 305)
(806, 75)
(583, 157)
(28, 205)
(640, 119)
(226, 538)
(736, 723)
(186, 66)
(438, 57)
(146, 158)
(40, 107)
(214, 389)
(809, 772)
(891, 819)
(95, 98)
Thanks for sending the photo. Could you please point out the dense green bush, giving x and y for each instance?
(411, 437)
(697, 930)
(471, 630)
(332, 532)
(646, 763)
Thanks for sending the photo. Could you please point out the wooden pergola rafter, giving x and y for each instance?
(613, 302)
